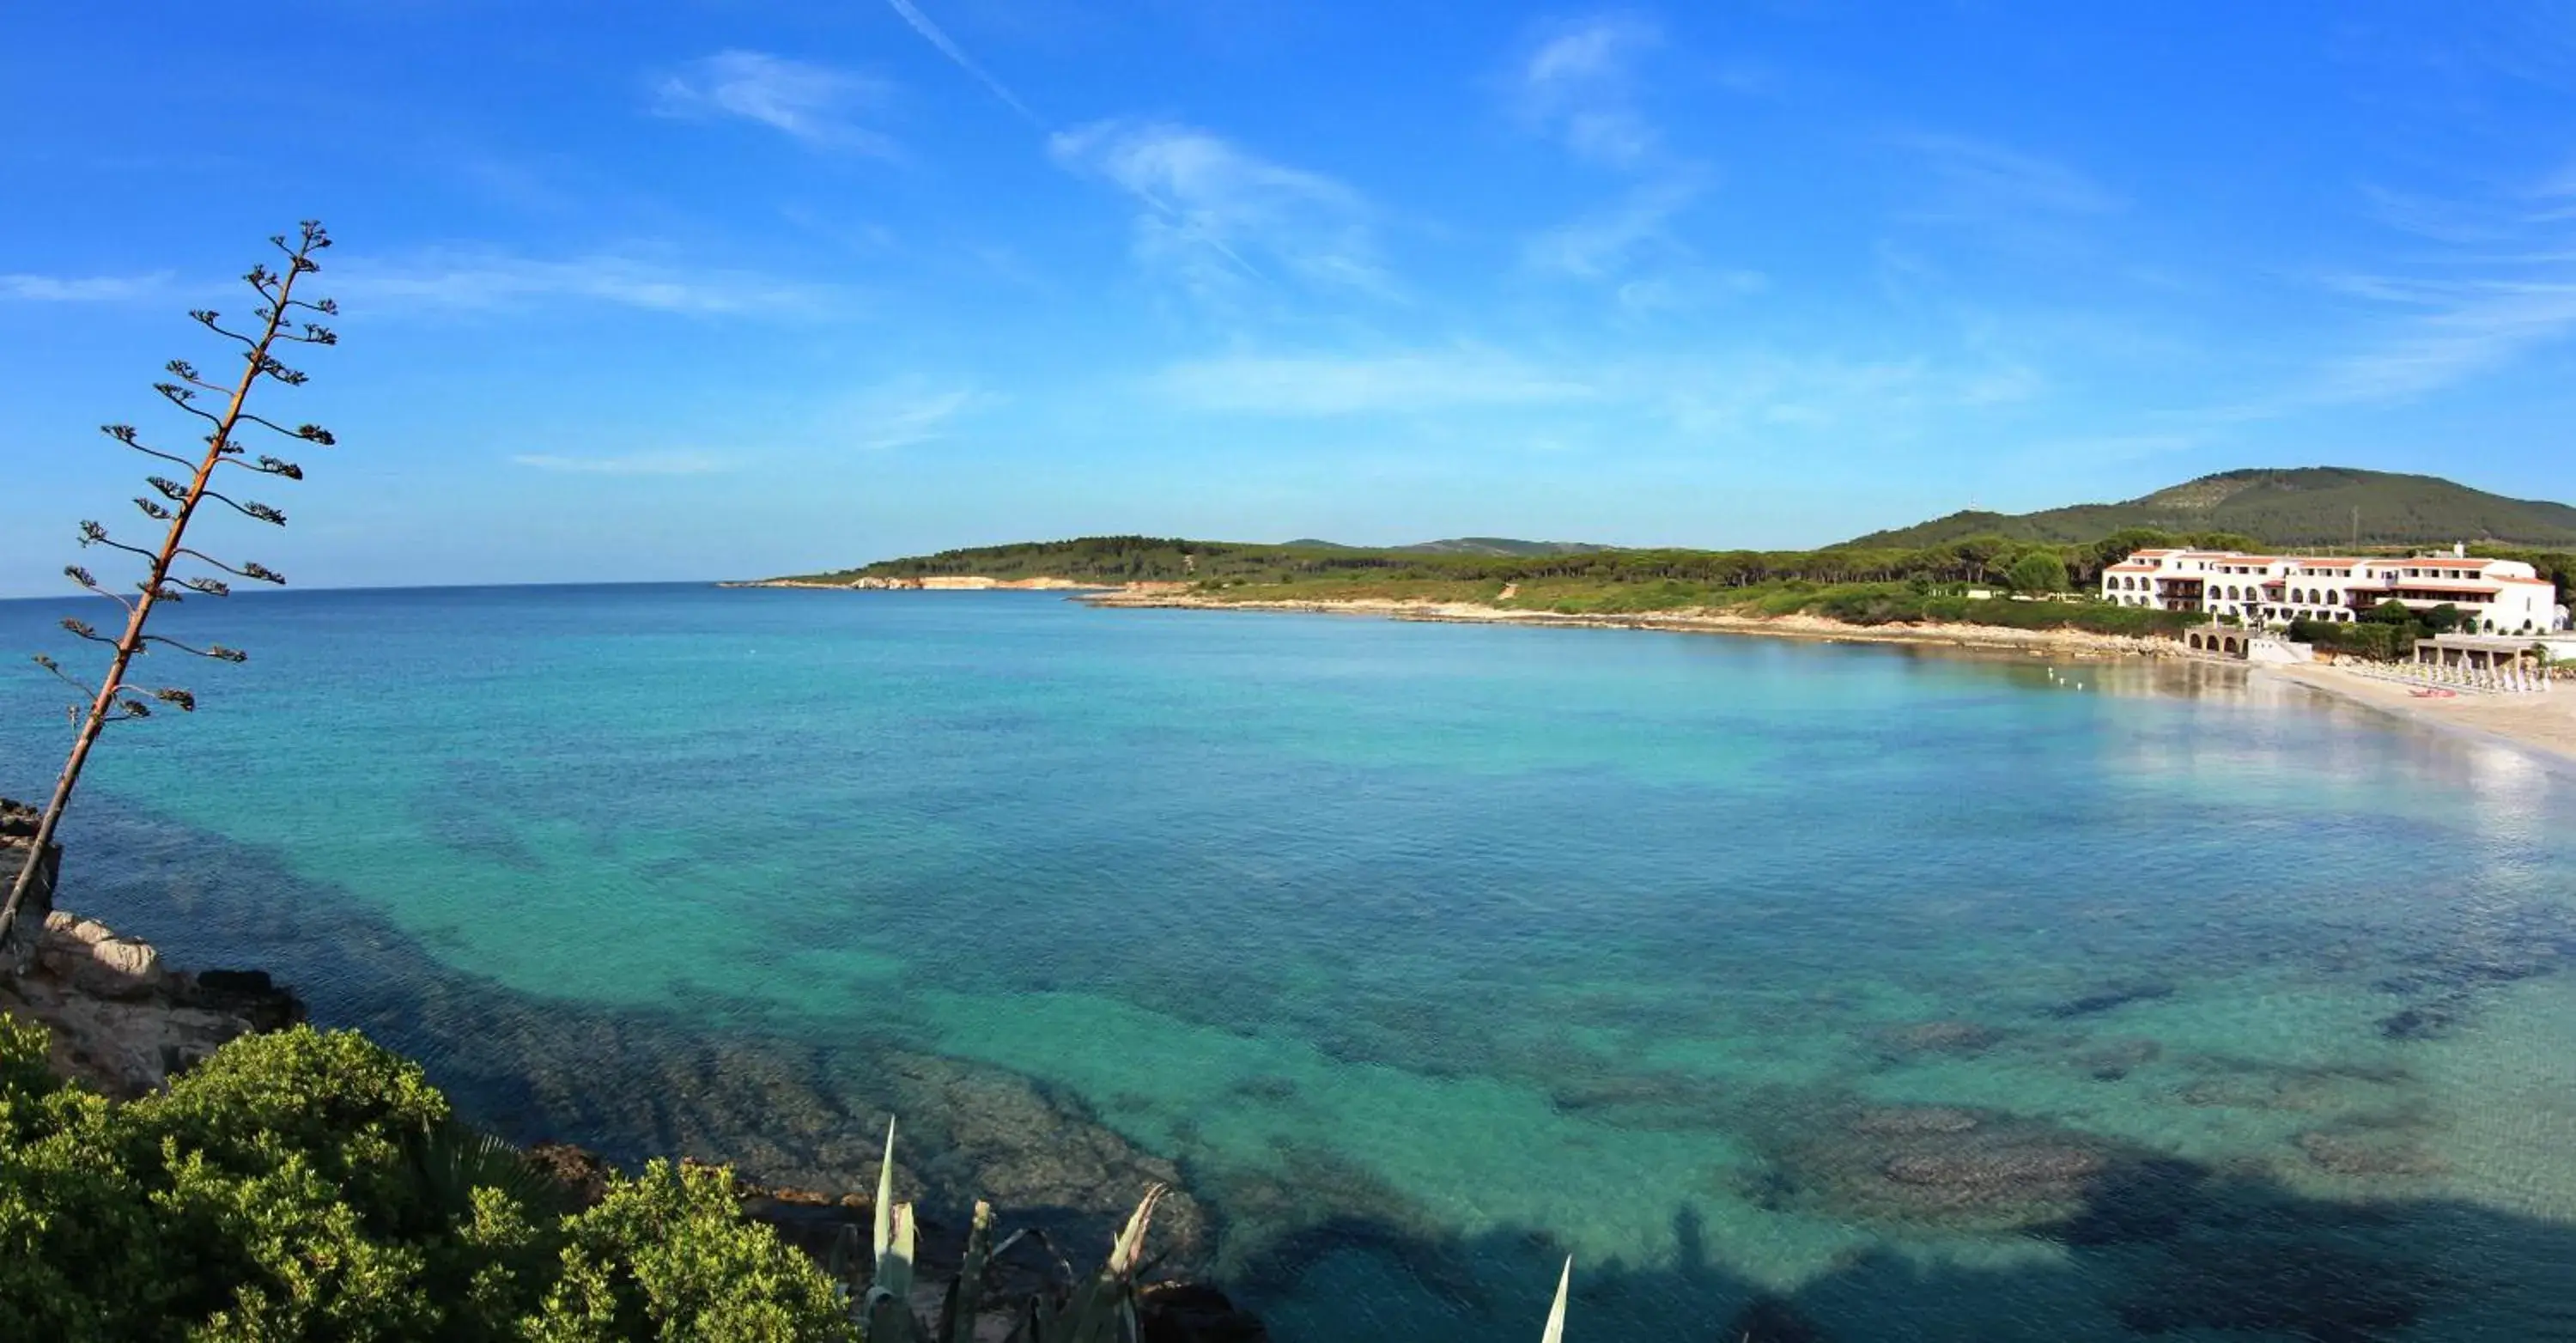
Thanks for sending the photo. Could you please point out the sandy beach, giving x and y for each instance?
(2541, 723)
(2068, 643)
(2544, 724)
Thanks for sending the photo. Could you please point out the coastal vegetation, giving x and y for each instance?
(1870, 587)
(310, 1185)
(1127, 559)
(1934, 573)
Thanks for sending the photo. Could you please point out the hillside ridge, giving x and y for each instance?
(2283, 506)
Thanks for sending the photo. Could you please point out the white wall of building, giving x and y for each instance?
(2499, 596)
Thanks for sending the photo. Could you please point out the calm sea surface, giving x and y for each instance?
(1887, 995)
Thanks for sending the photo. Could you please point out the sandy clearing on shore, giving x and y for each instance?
(2072, 643)
(2543, 723)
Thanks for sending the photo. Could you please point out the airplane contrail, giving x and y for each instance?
(931, 33)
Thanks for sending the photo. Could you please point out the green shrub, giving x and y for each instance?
(310, 1186)
(2038, 571)
(2378, 639)
(667, 1255)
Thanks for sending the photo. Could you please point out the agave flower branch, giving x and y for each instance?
(117, 697)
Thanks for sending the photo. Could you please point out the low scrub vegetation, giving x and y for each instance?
(309, 1185)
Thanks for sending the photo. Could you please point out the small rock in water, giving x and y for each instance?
(1943, 1037)
(2001, 1172)
(2116, 995)
(1893, 1120)
(2425, 1021)
(2112, 1060)
(2367, 1154)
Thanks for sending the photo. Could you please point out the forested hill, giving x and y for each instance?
(1462, 545)
(2305, 506)
(1593, 579)
(1130, 559)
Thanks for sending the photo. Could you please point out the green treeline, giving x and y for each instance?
(1981, 559)
(1974, 560)
(1861, 585)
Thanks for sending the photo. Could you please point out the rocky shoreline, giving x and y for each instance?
(122, 1021)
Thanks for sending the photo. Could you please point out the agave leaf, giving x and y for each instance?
(1556, 1313)
(1035, 1323)
(885, 1196)
(1131, 1242)
(894, 1267)
(966, 1293)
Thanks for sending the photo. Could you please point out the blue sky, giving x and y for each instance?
(684, 290)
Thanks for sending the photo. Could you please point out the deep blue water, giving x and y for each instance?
(1929, 997)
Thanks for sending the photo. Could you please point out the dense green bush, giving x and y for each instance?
(2038, 571)
(309, 1185)
(2381, 640)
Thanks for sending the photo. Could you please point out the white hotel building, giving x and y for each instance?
(2493, 596)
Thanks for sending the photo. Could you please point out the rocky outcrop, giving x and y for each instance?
(1939, 1037)
(2111, 996)
(18, 825)
(89, 957)
(1945, 1165)
(120, 1020)
(832, 1227)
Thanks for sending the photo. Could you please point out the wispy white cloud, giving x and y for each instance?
(83, 289)
(1216, 214)
(634, 464)
(1979, 181)
(906, 412)
(935, 36)
(473, 280)
(1751, 395)
(814, 103)
(2456, 329)
(1609, 242)
(2499, 284)
(1405, 383)
(1633, 249)
(1687, 288)
(1580, 85)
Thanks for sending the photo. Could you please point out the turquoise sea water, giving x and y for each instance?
(1910, 996)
